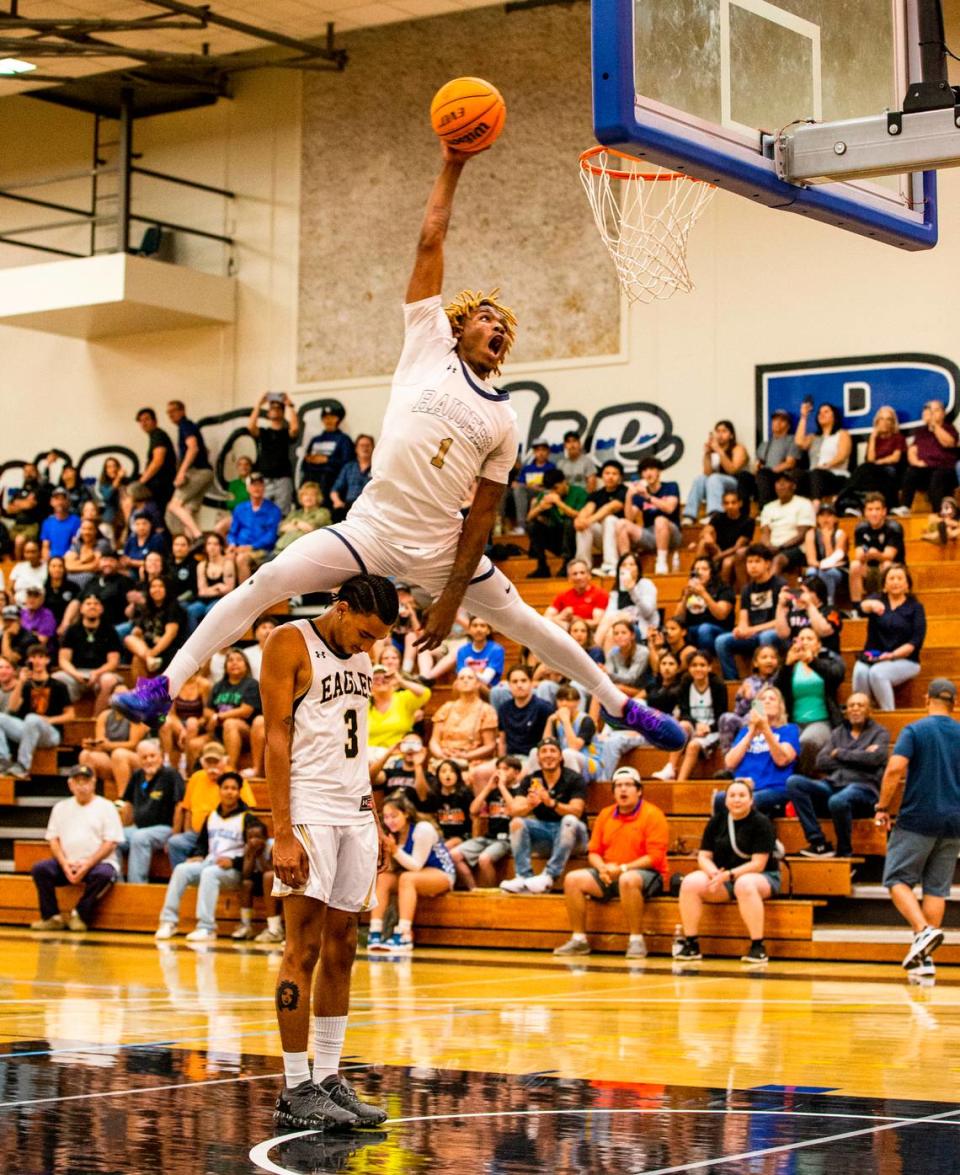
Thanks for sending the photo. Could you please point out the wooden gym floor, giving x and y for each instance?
(117, 1055)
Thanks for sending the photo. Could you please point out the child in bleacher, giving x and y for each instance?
(257, 874)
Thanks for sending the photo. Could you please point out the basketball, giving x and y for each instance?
(468, 113)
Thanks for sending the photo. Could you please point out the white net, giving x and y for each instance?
(644, 216)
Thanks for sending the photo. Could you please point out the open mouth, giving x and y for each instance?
(496, 344)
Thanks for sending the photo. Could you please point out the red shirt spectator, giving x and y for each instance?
(582, 603)
(929, 449)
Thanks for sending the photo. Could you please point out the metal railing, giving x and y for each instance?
(125, 169)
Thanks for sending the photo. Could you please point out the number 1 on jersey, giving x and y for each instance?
(441, 454)
(351, 747)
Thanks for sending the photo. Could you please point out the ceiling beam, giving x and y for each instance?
(338, 56)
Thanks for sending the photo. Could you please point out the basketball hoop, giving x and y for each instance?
(644, 218)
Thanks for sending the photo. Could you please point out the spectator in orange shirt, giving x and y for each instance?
(582, 599)
(628, 857)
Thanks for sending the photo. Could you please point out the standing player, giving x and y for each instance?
(315, 686)
(446, 429)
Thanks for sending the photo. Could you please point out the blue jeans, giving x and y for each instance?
(728, 646)
(140, 843)
(196, 610)
(833, 577)
(614, 746)
(769, 800)
(180, 846)
(563, 837)
(500, 693)
(812, 795)
(709, 487)
(30, 732)
(705, 635)
(211, 879)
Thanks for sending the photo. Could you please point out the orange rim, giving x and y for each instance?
(586, 164)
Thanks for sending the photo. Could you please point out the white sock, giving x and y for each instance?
(296, 1068)
(579, 937)
(328, 1034)
(404, 927)
(273, 923)
(246, 917)
(636, 938)
(376, 926)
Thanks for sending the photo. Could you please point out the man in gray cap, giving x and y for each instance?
(924, 770)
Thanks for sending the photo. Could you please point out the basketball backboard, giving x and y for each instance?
(704, 86)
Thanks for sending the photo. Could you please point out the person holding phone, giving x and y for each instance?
(275, 441)
(764, 751)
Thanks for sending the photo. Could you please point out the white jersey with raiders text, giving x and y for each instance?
(329, 778)
(444, 427)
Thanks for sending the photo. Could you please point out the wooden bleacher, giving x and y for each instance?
(493, 918)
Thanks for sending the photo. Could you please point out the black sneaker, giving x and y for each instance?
(820, 848)
(756, 955)
(686, 952)
(308, 1107)
(345, 1096)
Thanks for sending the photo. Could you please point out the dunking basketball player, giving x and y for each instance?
(446, 428)
(315, 686)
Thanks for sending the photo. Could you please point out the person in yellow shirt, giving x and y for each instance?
(199, 800)
(394, 704)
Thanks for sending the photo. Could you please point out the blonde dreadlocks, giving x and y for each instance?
(469, 301)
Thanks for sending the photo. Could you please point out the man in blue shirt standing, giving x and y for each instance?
(253, 531)
(924, 846)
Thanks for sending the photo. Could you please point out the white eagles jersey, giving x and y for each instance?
(444, 427)
(329, 779)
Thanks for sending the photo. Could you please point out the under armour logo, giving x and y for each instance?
(319, 654)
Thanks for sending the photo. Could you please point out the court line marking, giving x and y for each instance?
(212, 1034)
(805, 1144)
(80, 1097)
(259, 1155)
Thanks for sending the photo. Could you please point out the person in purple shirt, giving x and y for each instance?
(38, 619)
(931, 456)
(57, 530)
(253, 531)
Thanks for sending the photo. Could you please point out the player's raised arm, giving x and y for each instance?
(427, 277)
(284, 676)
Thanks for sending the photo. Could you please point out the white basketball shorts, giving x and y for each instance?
(343, 865)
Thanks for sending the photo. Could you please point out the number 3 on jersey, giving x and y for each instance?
(351, 747)
(441, 454)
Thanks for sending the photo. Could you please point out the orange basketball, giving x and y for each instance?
(468, 113)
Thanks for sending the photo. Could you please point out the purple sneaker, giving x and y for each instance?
(659, 729)
(149, 700)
